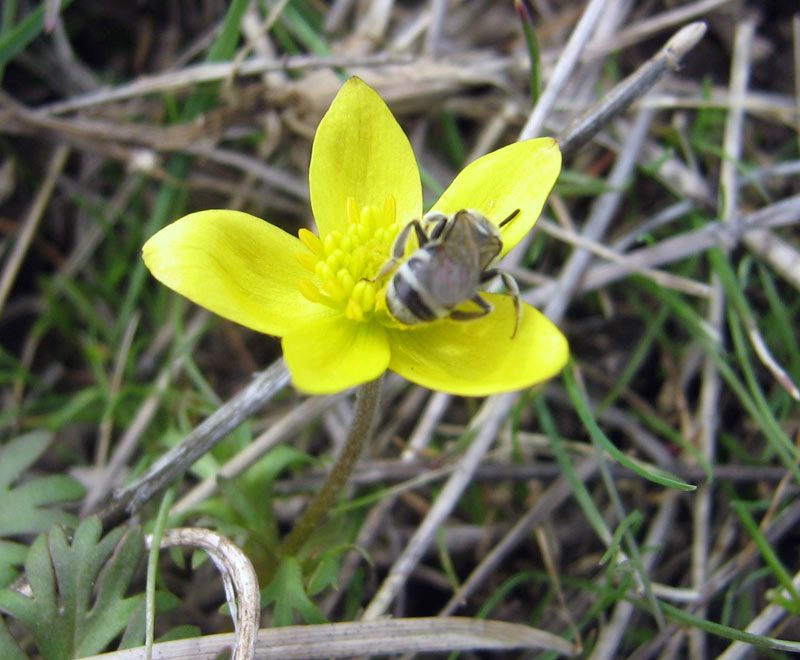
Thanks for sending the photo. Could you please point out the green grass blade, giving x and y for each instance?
(582, 408)
(152, 568)
(779, 320)
(301, 26)
(579, 490)
(14, 40)
(685, 619)
(695, 325)
(764, 546)
(532, 42)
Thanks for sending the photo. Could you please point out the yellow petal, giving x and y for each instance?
(479, 358)
(518, 176)
(334, 353)
(236, 265)
(360, 151)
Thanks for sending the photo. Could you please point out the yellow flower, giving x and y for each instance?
(316, 291)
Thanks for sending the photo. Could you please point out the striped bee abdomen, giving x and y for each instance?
(407, 301)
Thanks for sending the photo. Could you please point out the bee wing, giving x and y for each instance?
(455, 274)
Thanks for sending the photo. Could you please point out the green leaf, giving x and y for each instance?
(257, 515)
(78, 605)
(326, 571)
(183, 631)
(22, 509)
(12, 557)
(134, 631)
(9, 649)
(287, 592)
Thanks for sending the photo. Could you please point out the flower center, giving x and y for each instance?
(345, 263)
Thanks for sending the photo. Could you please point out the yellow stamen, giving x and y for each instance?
(331, 241)
(389, 210)
(353, 311)
(334, 260)
(357, 261)
(358, 290)
(368, 297)
(380, 300)
(346, 280)
(309, 290)
(368, 216)
(334, 289)
(344, 262)
(307, 261)
(311, 241)
(323, 271)
(352, 211)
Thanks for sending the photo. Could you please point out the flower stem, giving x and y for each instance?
(367, 399)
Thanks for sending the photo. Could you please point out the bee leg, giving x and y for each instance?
(465, 315)
(513, 290)
(438, 221)
(399, 247)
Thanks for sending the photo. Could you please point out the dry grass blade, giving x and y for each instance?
(662, 278)
(282, 430)
(599, 219)
(125, 446)
(778, 253)
(32, 219)
(566, 63)
(634, 86)
(549, 503)
(345, 640)
(653, 24)
(711, 389)
(171, 465)
(239, 578)
(670, 250)
(486, 423)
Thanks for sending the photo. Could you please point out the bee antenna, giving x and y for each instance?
(510, 217)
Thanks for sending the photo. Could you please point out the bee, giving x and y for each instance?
(451, 264)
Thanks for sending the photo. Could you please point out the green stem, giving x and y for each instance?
(366, 406)
(152, 569)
